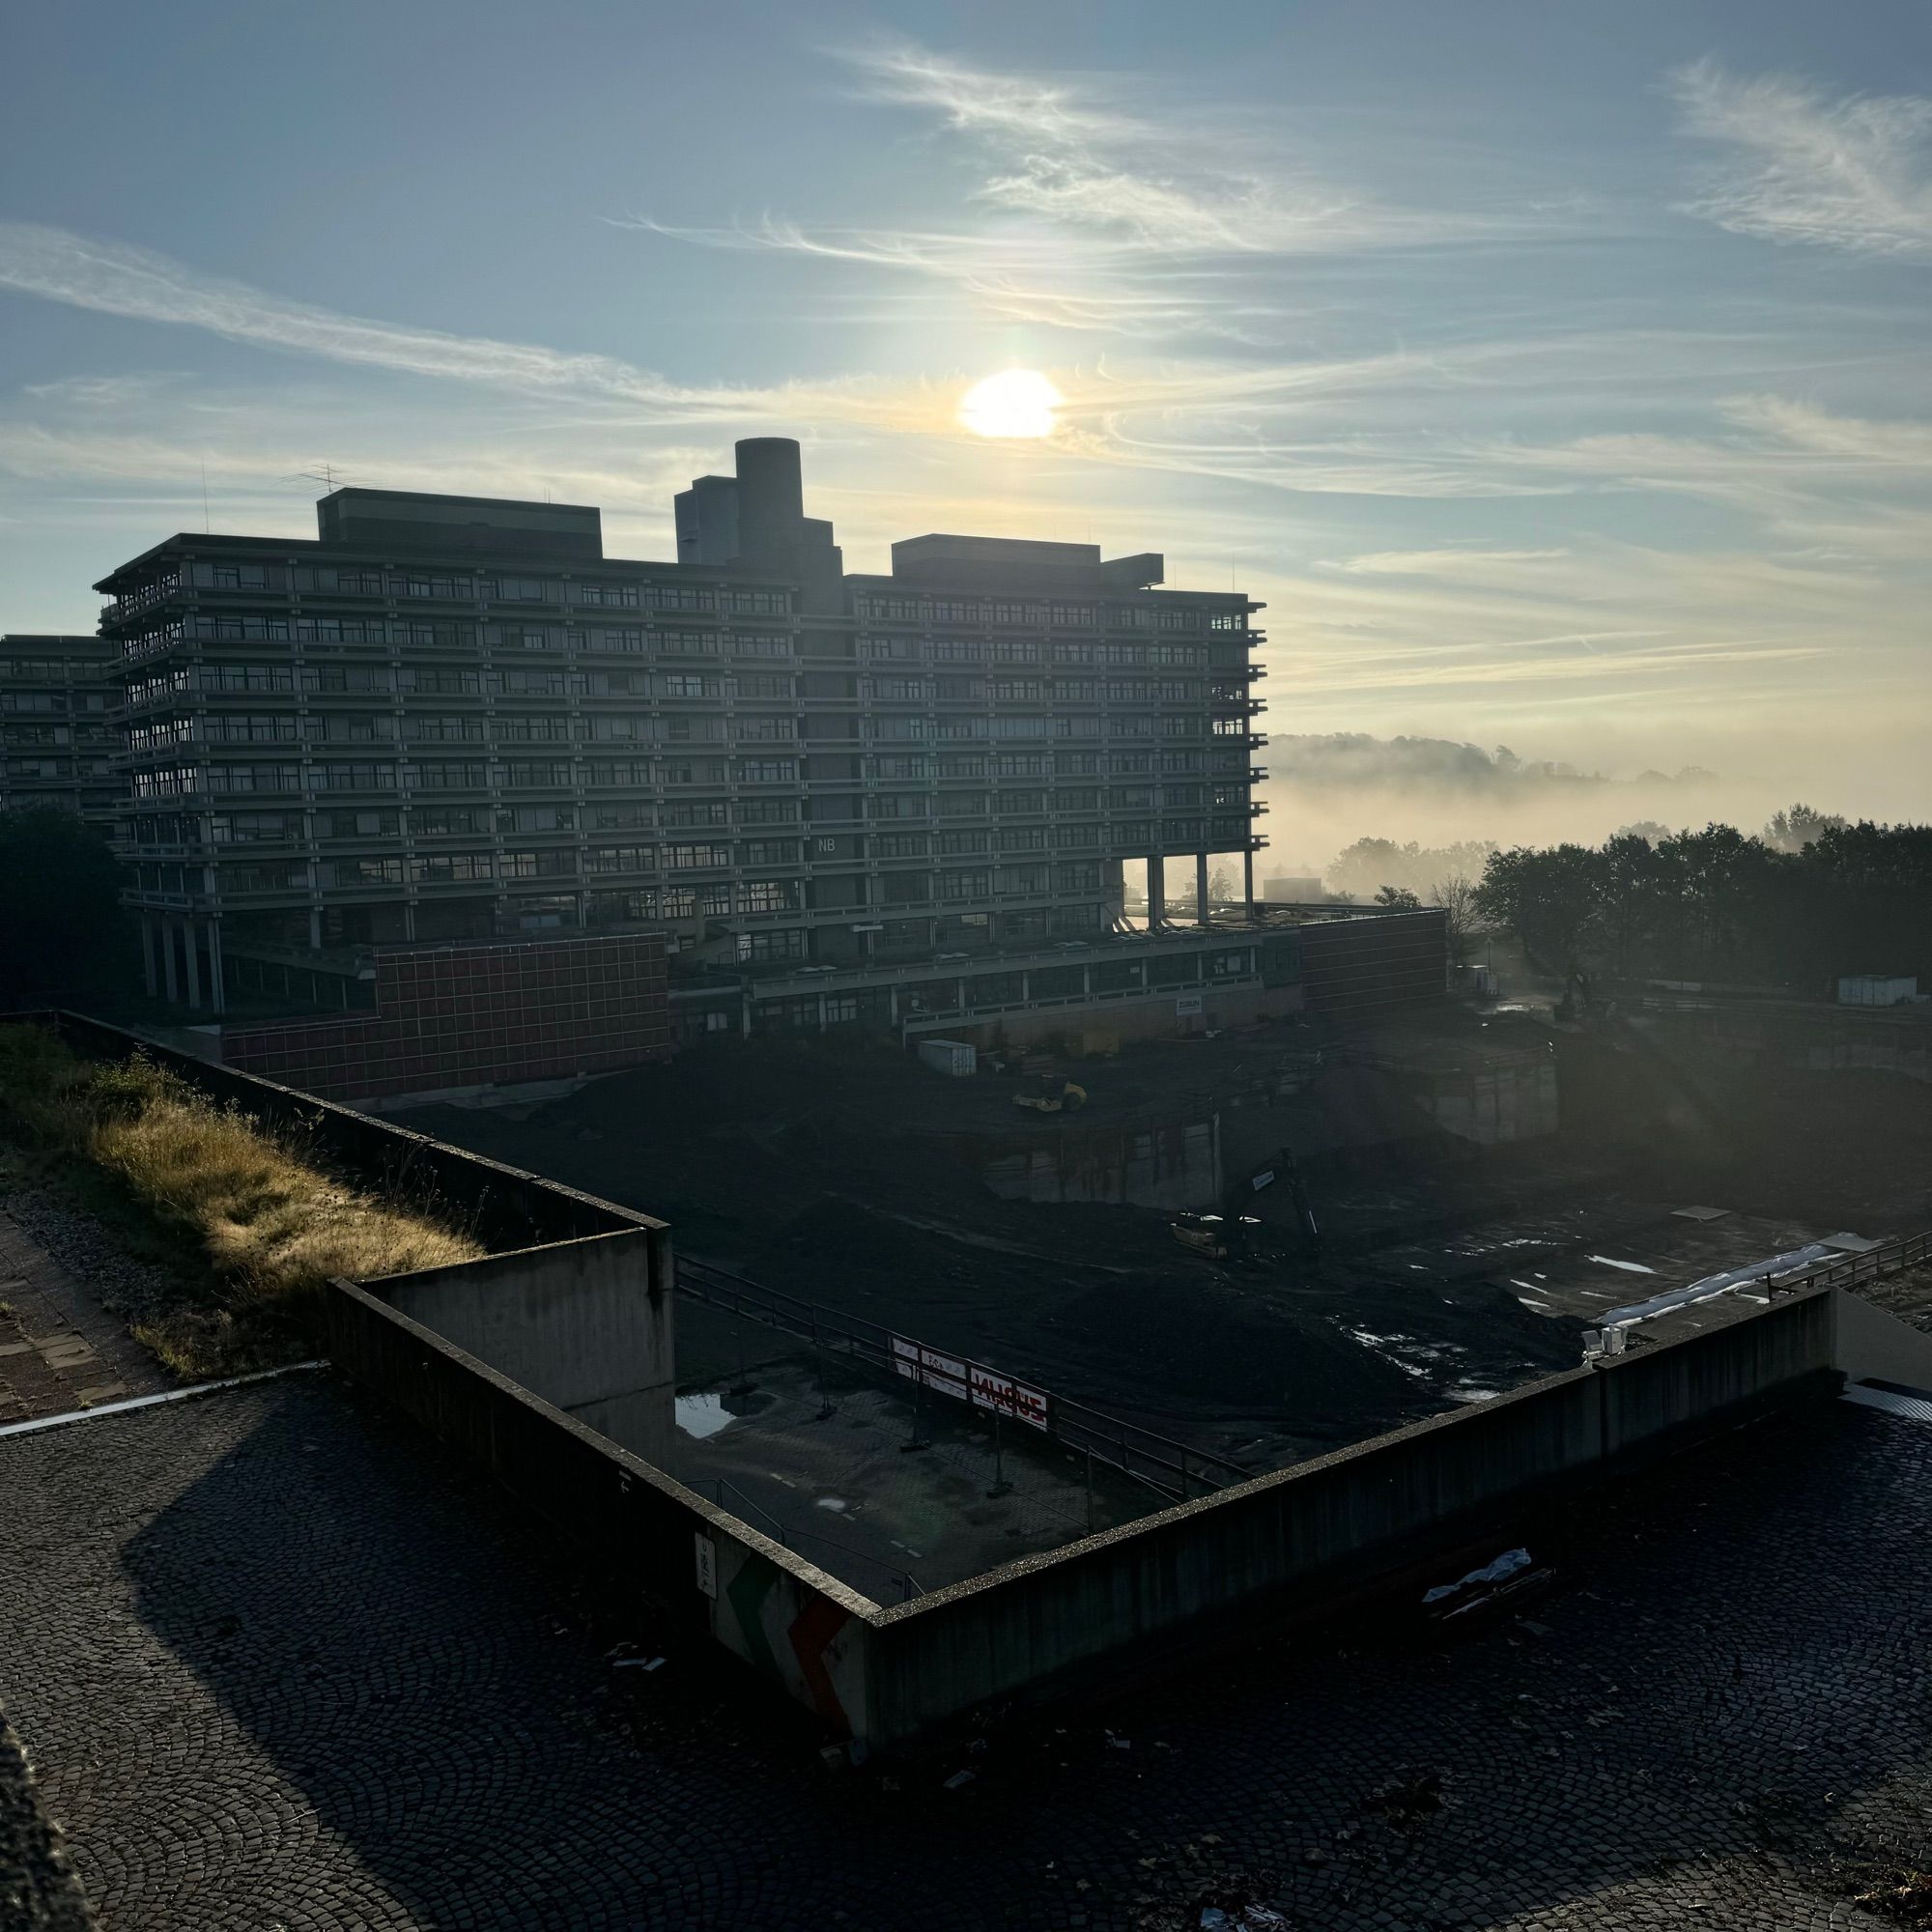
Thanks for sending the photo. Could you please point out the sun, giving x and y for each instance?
(1016, 402)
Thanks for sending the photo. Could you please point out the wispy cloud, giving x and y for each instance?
(1167, 182)
(1451, 563)
(114, 278)
(1850, 172)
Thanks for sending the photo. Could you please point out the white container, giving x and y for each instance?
(954, 1057)
(1876, 989)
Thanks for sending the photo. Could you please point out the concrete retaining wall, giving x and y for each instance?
(801, 1630)
(587, 1326)
(1285, 1547)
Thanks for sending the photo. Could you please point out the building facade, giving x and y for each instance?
(59, 737)
(453, 720)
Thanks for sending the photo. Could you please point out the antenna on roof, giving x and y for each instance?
(324, 474)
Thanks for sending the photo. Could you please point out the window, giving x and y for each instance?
(553, 861)
(537, 818)
(533, 730)
(698, 811)
(458, 731)
(447, 821)
(611, 596)
(354, 778)
(745, 645)
(354, 824)
(536, 683)
(361, 871)
(760, 684)
(518, 589)
(526, 637)
(693, 858)
(785, 943)
(438, 683)
(901, 846)
(768, 771)
(764, 728)
(766, 895)
(262, 828)
(767, 810)
(450, 777)
(688, 684)
(681, 597)
(771, 852)
(538, 775)
(627, 771)
(449, 868)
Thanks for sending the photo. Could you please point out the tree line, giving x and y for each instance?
(1811, 900)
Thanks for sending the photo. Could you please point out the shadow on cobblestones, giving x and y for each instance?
(302, 1670)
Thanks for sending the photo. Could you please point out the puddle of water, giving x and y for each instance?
(1629, 1267)
(702, 1415)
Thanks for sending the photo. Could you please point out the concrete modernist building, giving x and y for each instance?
(453, 719)
(59, 698)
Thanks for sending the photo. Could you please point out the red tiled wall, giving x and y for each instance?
(472, 1015)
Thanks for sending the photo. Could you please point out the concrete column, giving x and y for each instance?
(1200, 887)
(147, 961)
(1157, 892)
(191, 958)
(168, 959)
(315, 928)
(1249, 884)
(217, 979)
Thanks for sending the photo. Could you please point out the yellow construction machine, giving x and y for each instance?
(1050, 1093)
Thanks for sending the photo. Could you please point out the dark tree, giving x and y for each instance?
(60, 906)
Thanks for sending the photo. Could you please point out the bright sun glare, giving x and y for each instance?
(1017, 402)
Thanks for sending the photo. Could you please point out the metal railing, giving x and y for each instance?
(1171, 1469)
(1847, 1270)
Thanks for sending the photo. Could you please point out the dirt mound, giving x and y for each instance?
(1196, 1338)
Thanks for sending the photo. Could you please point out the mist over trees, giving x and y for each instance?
(1354, 759)
(1723, 905)
(1364, 868)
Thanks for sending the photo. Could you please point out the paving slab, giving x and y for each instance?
(280, 1661)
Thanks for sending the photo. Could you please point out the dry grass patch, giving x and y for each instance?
(274, 1224)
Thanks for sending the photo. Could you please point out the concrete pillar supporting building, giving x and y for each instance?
(1157, 892)
(150, 966)
(168, 980)
(217, 981)
(191, 958)
(1201, 906)
(1248, 882)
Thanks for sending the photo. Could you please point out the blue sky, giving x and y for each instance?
(1559, 376)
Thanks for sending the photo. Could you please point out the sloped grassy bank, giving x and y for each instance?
(266, 1225)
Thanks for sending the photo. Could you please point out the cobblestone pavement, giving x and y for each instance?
(282, 1664)
(60, 1349)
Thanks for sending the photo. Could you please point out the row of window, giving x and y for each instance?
(408, 680)
(494, 586)
(895, 609)
(1019, 650)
